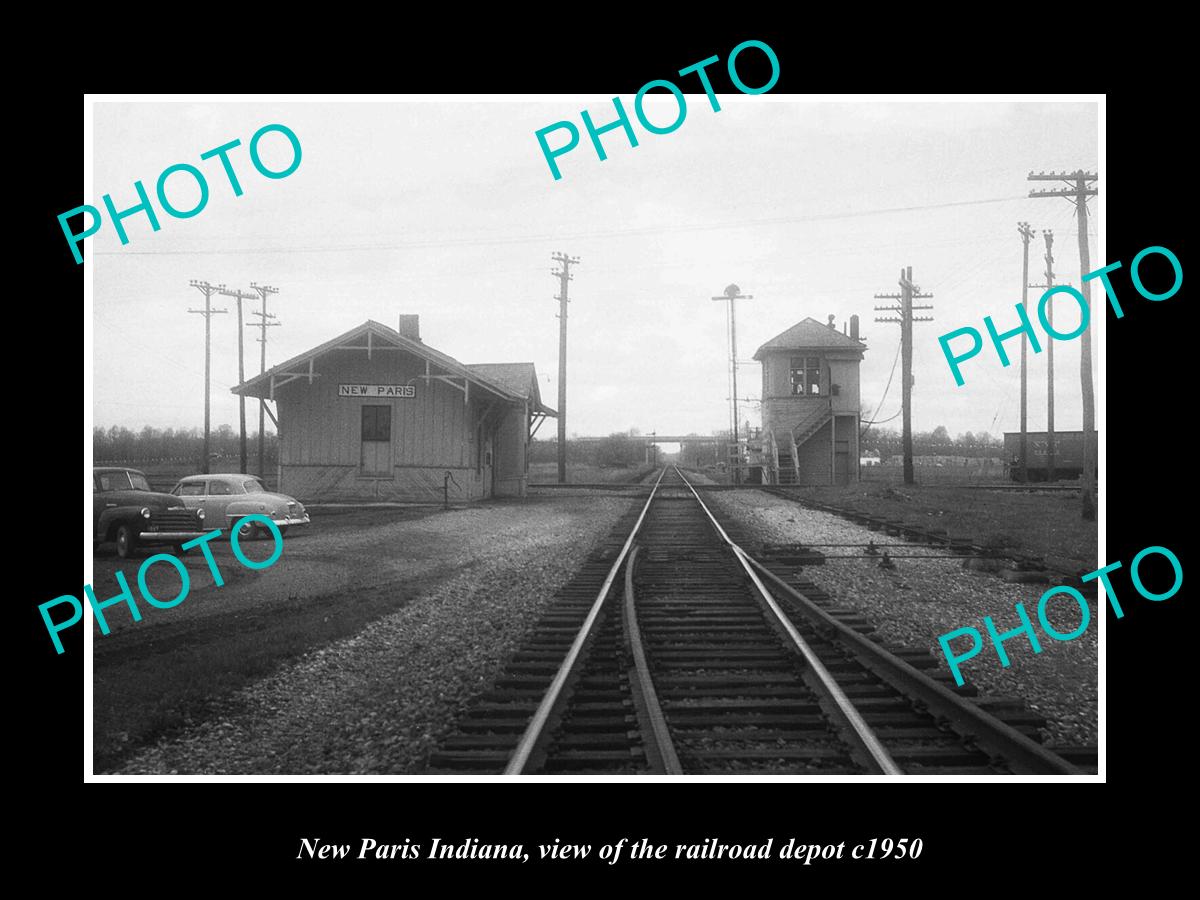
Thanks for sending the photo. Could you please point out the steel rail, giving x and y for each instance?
(541, 716)
(660, 747)
(864, 733)
(964, 717)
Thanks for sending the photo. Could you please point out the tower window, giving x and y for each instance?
(806, 375)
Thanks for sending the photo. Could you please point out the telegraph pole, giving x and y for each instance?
(908, 293)
(1079, 188)
(264, 291)
(208, 312)
(732, 293)
(241, 295)
(1026, 234)
(564, 276)
(1049, 236)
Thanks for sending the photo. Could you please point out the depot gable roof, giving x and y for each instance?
(520, 378)
(372, 334)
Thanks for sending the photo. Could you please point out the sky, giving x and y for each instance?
(446, 209)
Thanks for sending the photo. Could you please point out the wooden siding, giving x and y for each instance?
(815, 457)
(511, 443)
(841, 369)
(845, 375)
(317, 427)
(431, 433)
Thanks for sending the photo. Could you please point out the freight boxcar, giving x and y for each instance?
(1068, 454)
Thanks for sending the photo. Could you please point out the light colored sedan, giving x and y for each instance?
(223, 499)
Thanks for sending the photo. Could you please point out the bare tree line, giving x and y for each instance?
(120, 444)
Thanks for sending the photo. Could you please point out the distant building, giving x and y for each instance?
(810, 404)
(377, 413)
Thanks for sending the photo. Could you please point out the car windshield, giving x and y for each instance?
(253, 486)
(123, 481)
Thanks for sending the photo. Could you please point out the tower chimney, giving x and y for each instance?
(410, 327)
(854, 328)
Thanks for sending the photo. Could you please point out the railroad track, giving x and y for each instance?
(673, 651)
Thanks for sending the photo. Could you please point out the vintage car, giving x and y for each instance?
(223, 499)
(126, 511)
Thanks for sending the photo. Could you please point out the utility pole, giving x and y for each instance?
(264, 291)
(1049, 236)
(241, 295)
(208, 312)
(1026, 234)
(732, 293)
(908, 293)
(564, 276)
(1077, 191)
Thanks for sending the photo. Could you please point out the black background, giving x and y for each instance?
(988, 832)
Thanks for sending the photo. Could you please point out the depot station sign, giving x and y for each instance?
(377, 390)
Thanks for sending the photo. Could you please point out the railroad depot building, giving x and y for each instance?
(810, 404)
(378, 414)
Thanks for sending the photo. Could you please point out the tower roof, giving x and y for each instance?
(809, 334)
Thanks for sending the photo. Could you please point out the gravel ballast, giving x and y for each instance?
(378, 702)
(922, 599)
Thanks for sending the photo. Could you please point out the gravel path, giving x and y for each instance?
(921, 600)
(379, 702)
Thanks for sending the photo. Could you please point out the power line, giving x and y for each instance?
(731, 294)
(1048, 236)
(1080, 185)
(564, 276)
(886, 388)
(899, 412)
(1026, 233)
(908, 293)
(208, 312)
(628, 232)
(264, 291)
(241, 295)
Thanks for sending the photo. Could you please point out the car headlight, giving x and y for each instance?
(145, 512)
(200, 514)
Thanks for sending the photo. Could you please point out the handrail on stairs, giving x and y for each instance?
(814, 420)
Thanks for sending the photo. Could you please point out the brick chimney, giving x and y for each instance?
(410, 327)
(854, 327)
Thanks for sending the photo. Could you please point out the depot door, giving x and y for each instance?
(376, 440)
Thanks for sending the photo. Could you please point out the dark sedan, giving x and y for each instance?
(127, 512)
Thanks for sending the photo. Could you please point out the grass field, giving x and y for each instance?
(981, 473)
(1045, 525)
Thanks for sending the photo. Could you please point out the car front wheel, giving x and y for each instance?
(126, 541)
(247, 531)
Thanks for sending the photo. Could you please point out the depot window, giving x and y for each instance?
(806, 375)
(376, 423)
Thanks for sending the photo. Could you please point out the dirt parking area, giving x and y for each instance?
(350, 654)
